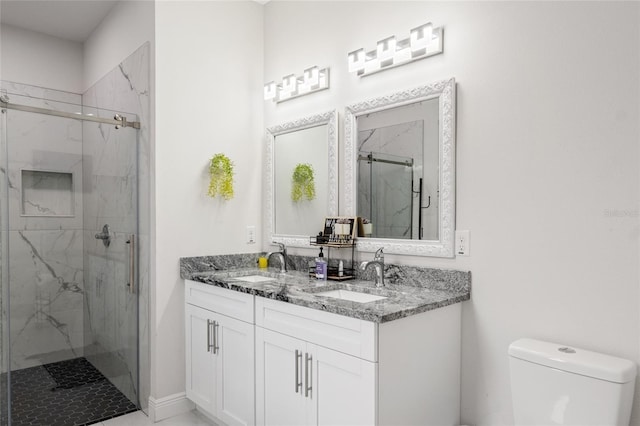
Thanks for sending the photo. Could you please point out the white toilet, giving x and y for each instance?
(553, 384)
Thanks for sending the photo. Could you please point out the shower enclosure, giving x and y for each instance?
(68, 261)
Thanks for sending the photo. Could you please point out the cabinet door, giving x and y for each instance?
(280, 396)
(199, 357)
(343, 388)
(235, 380)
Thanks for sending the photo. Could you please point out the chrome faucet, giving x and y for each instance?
(282, 254)
(378, 263)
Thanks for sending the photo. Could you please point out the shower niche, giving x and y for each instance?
(47, 193)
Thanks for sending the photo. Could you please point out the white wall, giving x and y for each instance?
(25, 54)
(208, 97)
(128, 26)
(547, 156)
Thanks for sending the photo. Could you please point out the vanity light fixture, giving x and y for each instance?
(312, 80)
(423, 41)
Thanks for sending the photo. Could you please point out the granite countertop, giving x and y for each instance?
(299, 289)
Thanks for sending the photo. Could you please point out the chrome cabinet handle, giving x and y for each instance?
(216, 348)
(298, 360)
(209, 345)
(308, 365)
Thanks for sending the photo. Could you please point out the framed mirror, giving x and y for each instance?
(400, 170)
(302, 176)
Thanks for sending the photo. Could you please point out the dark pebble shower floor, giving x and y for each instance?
(66, 393)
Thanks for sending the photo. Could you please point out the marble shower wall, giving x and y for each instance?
(114, 191)
(43, 172)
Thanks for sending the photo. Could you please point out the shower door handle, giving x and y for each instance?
(131, 280)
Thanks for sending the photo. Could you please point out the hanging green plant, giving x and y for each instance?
(221, 177)
(303, 185)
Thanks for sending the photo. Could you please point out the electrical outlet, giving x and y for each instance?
(251, 234)
(462, 243)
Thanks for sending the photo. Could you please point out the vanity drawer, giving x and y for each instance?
(226, 302)
(348, 335)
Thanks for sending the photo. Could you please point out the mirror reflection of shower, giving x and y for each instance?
(396, 192)
(390, 189)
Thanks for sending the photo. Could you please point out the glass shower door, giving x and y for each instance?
(110, 206)
(4, 287)
(69, 284)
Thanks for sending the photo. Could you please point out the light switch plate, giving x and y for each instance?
(462, 243)
(251, 234)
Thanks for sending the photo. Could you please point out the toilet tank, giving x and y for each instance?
(552, 384)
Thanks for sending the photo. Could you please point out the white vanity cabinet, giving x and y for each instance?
(320, 368)
(299, 383)
(220, 375)
(254, 360)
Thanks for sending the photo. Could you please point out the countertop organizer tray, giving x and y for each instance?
(348, 270)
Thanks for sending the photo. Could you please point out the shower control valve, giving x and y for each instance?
(105, 236)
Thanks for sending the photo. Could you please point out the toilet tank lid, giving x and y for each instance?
(574, 360)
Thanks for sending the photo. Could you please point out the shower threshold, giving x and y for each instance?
(65, 393)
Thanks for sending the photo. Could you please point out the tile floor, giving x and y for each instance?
(192, 418)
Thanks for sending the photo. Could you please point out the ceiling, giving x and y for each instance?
(69, 19)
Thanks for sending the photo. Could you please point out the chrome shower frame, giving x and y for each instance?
(118, 121)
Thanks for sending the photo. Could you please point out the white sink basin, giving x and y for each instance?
(352, 296)
(253, 279)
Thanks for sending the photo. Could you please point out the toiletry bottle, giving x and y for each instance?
(325, 269)
(340, 268)
(321, 266)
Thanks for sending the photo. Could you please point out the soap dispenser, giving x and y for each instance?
(321, 266)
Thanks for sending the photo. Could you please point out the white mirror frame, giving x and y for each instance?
(445, 91)
(330, 119)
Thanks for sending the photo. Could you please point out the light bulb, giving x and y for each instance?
(420, 37)
(290, 84)
(385, 51)
(270, 90)
(356, 60)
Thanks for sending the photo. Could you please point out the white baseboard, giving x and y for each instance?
(169, 406)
